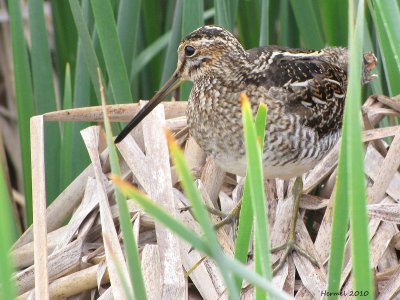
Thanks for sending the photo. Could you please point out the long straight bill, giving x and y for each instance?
(167, 88)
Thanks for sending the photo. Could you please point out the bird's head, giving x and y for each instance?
(209, 51)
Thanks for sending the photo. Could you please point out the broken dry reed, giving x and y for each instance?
(39, 208)
(114, 255)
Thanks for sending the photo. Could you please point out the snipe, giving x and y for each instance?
(304, 90)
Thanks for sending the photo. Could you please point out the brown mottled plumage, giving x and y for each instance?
(303, 89)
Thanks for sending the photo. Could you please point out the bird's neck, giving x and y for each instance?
(231, 74)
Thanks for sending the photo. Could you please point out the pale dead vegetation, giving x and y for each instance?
(82, 257)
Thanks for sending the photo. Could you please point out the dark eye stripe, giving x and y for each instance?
(189, 50)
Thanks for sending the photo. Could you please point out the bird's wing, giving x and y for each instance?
(309, 87)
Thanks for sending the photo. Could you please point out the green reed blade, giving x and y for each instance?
(170, 56)
(128, 28)
(151, 25)
(225, 13)
(111, 48)
(24, 97)
(289, 33)
(66, 39)
(7, 284)
(201, 214)
(256, 185)
(265, 23)
(161, 215)
(362, 278)
(331, 12)
(340, 219)
(131, 250)
(81, 98)
(67, 144)
(307, 20)
(386, 15)
(85, 40)
(248, 23)
(44, 95)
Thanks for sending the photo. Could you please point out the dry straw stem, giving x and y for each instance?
(114, 254)
(78, 259)
(116, 113)
(39, 208)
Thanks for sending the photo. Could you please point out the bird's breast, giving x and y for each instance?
(215, 122)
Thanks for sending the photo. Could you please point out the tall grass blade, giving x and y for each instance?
(249, 23)
(66, 39)
(81, 98)
(169, 14)
(355, 167)
(145, 56)
(128, 28)
(289, 33)
(225, 13)
(340, 219)
(111, 48)
(331, 12)
(152, 20)
(192, 16)
(244, 230)
(386, 15)
(24, 97)
(255, 279)
(128, 31)
(67, 145)
(256, 184)
(88, 51)
(161, 215)
(7, 285)
(200, 213)
(171, 57)
(305, 13)
(265, 23)
(246, 211)
(376, 85)
(44, 94)
(131, 251)
(192, 193)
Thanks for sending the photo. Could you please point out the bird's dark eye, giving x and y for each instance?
(189, 50)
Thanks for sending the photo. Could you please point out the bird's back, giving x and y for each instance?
(305, 97)
(307, 83)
